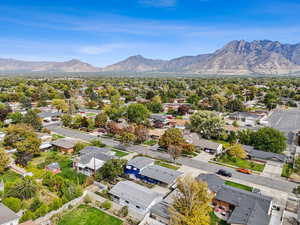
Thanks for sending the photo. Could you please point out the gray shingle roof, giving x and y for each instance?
(213, 181)
(94, 149)
(134, 193)
(161, 209)
(264, 155)
(162, 174)
(140, 162)
(6, 214)
(250, 208)
(64, 143)
(86, 158)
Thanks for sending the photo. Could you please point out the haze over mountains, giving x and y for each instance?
(235, 58)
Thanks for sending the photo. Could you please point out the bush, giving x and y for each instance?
(87, 199)
(28, 215)
(13, 203)
(56, 204)
(106, 205)
(35, 204)
(42, 210)
(124, 211)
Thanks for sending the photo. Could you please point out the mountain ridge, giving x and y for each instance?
(238, 57)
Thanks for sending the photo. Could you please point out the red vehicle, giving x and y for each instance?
(241, 170)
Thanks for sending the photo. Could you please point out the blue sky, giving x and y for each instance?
(102, 32)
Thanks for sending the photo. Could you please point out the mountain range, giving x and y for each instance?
(235, 58)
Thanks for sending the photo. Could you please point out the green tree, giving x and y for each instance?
(66, 120)
(16, 117)
(269, 139)
(192, 205)
(127, 138)
(13, 203)
(137, 113)
(32, 119)
(4, 160)
(111, 170)
(25, 188)
(172, 136)
(4, 111)
(60, 104)
(207, 124)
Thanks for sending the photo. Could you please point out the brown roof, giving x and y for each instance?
(157, 132)
(178, 122)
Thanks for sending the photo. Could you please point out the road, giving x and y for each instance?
(277, 184)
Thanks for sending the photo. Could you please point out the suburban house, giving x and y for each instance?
(158, 120)
(243, 207)
(137, 197)
(144, 169)
(156, 133)
(91, 159)
(263, 156)
(237, 206)
(53, 167)
(214, 182)
(65, 145)
(206, 145)
(135, 165)
(159, 175)
(7, 216)
(247, 118)
(178, 123)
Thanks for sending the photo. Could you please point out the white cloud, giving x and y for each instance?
(100, 49)
(158, 3)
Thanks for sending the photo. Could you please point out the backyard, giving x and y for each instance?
(241, 163)
(86, 215)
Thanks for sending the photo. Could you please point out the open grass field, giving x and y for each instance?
(85, 215)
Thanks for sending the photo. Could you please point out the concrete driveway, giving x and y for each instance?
(204, 156)
(272, 169)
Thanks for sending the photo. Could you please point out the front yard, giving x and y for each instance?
(86, 215)
(287, 170)
(167, 165)
(238, 185)
(241, 163)
(119, 153)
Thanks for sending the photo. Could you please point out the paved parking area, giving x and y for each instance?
(272, 169)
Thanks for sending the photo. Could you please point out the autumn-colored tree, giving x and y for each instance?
(101, 120)
(174, 151)
(113, 128)
(141, 132)
(183, 109)
(188, 148)
(192, 205)
(4, 160)
(60, 104)
(237, 151)
(172, 136)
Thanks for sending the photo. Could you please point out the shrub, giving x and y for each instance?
(13, 203)
(106, 205)
(87, 199)
(56, 204)
(42, 210)
(124, 211)
(28, 215)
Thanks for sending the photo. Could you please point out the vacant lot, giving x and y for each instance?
(85, 215)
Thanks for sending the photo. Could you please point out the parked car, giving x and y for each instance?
(242, 170)
(224, 173)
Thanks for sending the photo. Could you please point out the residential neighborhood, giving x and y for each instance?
(131, 155)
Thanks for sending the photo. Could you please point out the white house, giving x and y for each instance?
(138, 198)
(7, 216)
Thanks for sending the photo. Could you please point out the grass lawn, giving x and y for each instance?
(242, 163)
(85, 215)
(224, 143)
(167, 165)
(237, 185)
(57, 136)
(120, 153)
(287, 170)
(9, 176)
(91, 114)
(150, 142)
(214, 220)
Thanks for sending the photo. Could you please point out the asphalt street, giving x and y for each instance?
(209, 167)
